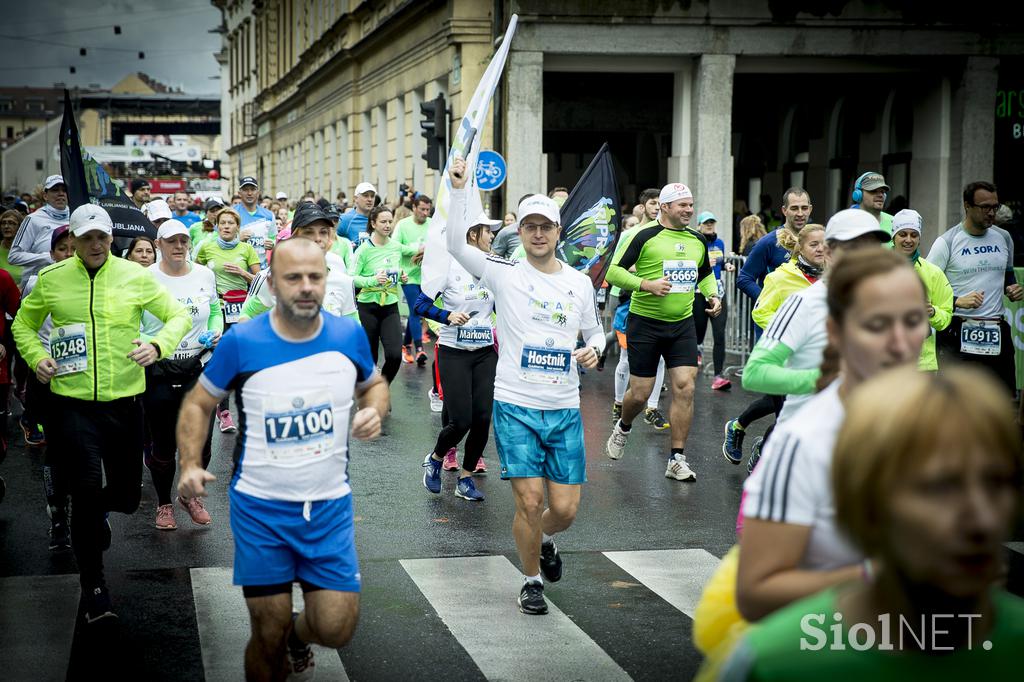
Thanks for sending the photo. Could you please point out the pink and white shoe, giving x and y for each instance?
(165, 517)
(720, 383)
(451, 460)
(196, 510)
(481, 466)
(227, 424)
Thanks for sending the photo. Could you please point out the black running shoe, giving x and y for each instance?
(531, 599)
(550, 562)
(97, 605)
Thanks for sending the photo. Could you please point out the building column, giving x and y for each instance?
(682, 142)
(524, 128)
(977, 128)
(712, 166)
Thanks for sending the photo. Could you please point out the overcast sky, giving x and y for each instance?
(40, 40)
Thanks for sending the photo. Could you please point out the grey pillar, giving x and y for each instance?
(524, 128)
(977, 128)
(712, 167)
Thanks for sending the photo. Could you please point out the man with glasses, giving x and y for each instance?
(977, 258)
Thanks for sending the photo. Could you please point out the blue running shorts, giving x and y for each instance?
(540, 443)
(275, 543)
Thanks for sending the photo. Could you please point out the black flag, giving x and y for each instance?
(590, 219)
(89, 183)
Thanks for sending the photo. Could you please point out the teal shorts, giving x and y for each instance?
(540, 443)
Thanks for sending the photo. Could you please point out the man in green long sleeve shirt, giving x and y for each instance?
(671, 263)
(95, 369)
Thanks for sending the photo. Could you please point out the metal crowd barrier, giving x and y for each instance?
(739, 332)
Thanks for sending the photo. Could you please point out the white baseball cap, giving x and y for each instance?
(170, 228)
(538, 204)
(157, 209)
(674, 192)
(89, 217)
(282, 195)
(54, 180)
(364, 187)
(907, 219)
(482, 219)
(851, 223)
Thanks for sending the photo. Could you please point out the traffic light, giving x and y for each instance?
(435, 131)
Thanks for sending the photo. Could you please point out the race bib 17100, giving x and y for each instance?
(299, 426)
(68, 348)
(682, 275)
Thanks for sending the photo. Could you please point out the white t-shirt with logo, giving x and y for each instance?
(793, 481)
(975, 264)
(463, 293)
(197, 291)
(540, 316)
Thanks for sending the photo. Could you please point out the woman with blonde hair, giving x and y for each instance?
(931, 499)
(751, 229)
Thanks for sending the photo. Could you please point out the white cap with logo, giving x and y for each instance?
(157, 210)
(89, 217)
(538, 204)
(482, 219)
(171, 228)
(674, 192)
(364, 187)
(54, 180)
(851, 223)
(907, 219)
(281, 195)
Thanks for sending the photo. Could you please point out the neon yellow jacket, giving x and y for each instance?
(778, 285)
(940, 296)
(110, 305)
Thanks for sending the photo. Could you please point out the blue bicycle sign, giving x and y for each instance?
(490, 170)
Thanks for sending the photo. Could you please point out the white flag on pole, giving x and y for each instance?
(465, 144)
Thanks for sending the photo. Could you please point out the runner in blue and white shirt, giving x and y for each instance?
(297, 375)
(543, 305)
(258, 225)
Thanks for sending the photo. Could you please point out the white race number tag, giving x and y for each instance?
(298, 426)
(682, 275)
(68, 348)
(477, 337)
(980, 337)
(232, 312)
(544, 362)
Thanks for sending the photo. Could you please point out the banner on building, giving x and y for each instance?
(466, 145)
(88, 182)
(590, 219)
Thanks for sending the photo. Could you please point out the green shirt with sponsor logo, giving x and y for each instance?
(411, 235)
(370, 259)
(657, 251)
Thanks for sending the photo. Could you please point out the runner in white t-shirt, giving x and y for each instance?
(790, 546)
(309, 222)
(543, 306)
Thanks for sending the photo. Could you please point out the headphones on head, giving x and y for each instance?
(858, 193)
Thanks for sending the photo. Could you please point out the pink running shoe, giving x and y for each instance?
(720, 383)
(165, 517)
(481, 466)
(196, 510)
(227, 424)
(451, 460)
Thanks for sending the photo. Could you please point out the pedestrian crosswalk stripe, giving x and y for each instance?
(503, 643)
(676, 575)
(223, 621)
(37, 625)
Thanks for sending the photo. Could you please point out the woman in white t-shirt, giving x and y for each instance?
(167, 380)
(791, 547)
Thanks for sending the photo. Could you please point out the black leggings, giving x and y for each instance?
(383, 325)
(96, 439)
(762, 407)
(700, 319)
(467, 377)
(55, 484)
(162, 401)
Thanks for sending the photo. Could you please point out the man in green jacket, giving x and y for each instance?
(94, 365)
